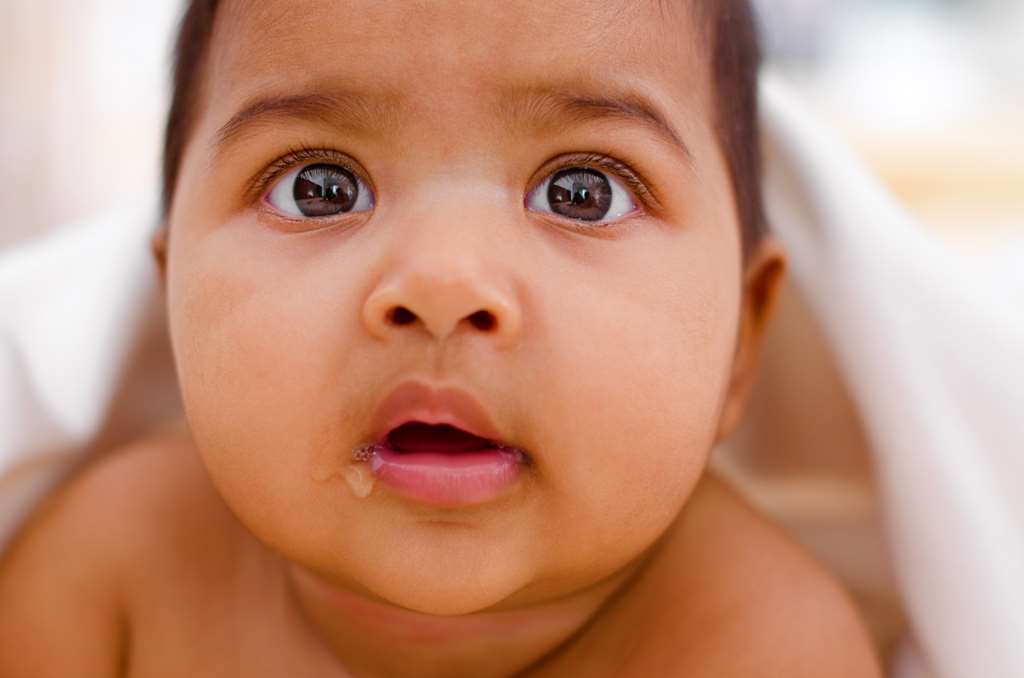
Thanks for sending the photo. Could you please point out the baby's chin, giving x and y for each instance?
(429, 567)
(451, 596)
(430, 586)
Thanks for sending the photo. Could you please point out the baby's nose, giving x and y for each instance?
(442, 302)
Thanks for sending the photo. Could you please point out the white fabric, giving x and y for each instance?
(84, 360)
(930, 344)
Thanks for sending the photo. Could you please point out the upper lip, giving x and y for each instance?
(420, 402)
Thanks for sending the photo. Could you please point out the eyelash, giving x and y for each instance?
(294, 157)
(601, 161)
(299, 155)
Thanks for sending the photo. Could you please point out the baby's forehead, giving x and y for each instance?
(403, 50)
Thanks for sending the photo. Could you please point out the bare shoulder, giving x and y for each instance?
(68, 579)
(751, 602)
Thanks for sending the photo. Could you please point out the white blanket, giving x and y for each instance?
(930, 343)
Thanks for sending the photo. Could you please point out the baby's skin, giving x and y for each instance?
(458, 310)
(139, 569)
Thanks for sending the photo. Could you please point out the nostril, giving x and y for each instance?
(483, 320)
(400, 315)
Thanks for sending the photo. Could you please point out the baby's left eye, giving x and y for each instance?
(319, 190)
(583, 194)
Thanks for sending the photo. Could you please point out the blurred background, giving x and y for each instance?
(929, 92)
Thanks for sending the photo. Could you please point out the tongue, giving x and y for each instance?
(418, 437)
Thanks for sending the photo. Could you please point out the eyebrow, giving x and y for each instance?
(548, 107)
(538, 108)
(334, 108)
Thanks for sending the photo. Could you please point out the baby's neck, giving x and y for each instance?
(374, 638)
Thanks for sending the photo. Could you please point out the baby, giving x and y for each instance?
(461, 295)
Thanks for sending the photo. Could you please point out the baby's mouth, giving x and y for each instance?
(442, 465)
(417, 437)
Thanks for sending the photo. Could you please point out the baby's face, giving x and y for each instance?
(523, 201)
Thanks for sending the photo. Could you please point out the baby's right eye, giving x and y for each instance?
(319, 190)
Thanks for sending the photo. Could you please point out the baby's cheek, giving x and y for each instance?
(260, 370)
(638, 422)
(635, 461)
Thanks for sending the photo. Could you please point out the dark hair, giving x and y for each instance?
(736, 59)
(735, 63)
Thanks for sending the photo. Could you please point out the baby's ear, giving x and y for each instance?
(763, 278)
(158, 246)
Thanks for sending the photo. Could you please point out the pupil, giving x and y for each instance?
(580, 193)
(323, 190)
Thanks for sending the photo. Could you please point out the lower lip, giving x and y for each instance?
(448, 479)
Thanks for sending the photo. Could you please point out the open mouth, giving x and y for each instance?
(442, 464)
(416, 436)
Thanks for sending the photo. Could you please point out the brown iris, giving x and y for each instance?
(580, 193)
(323, 190)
